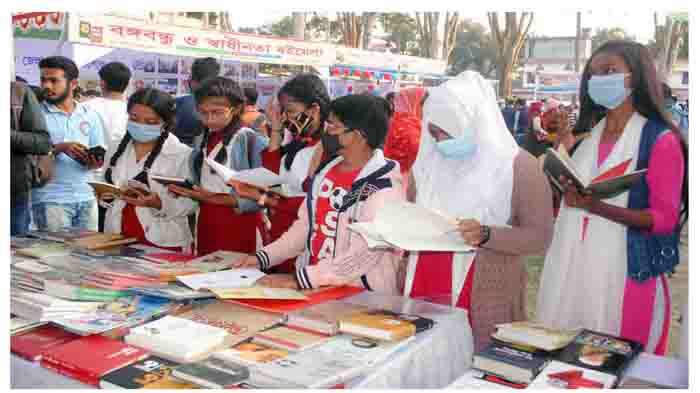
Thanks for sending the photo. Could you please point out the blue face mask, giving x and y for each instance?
(144, 132)
(608, 90)
(457, 148)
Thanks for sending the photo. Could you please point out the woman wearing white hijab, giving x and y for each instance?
(470, 168)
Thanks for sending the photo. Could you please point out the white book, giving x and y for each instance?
(177, 339)
(259, 177)
(545, 381)
(411, 227)
(338, 360)
(235, 278)
(31, 266)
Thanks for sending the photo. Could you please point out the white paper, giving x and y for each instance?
(259, 177)
(235, 278)
(411, 227)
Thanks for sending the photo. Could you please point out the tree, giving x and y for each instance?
(509, 42)
(319, 27)
(299, 25)
(603, 35)
(474, 50)
(352, 27)
(402, 30)
(437, 33)
(667, 42)
(283, 27)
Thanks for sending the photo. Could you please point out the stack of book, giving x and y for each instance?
(32, 344)
(212, 373)
(42, 307)
(150, 373)
(384, 325)
(19, 324)
(325, 317)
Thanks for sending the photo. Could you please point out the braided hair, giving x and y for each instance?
(308, 89)
(161, 103)
(231, 90)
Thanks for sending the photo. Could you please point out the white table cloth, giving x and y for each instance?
(435, 359)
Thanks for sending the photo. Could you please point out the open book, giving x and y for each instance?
(608, 185)
(110, 191)
(411, 227)
(166, 181)
(258, 177)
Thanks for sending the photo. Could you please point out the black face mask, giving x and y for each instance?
(331, 143)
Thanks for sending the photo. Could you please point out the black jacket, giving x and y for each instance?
(31, 138)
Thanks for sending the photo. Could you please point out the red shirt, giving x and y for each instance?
(335, 185)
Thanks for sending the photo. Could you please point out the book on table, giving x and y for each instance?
(336, 361)
(600, 352)
(32, 344)
(177, 339)
(559, 375)
(656, 372)
(19, 324)
(315, 296)
(324, 317)
(262, 293)
(218, 260)
(476, 379)
(45, 250)
(610, 184)
(89, 358)
(225, 279)
(411, 227)
(239, 322)
(290, 338)
(64, 235)
(168, 257)
(172, 291)
(101, 241)
(384, 325)
(212, 373)
(251, 353)
(510, 363)
(534, 334)
(150, 373)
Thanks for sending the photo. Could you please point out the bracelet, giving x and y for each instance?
(485, 235)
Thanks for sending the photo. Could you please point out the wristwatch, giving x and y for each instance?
(485, 235)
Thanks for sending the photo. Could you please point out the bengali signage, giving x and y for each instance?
(39, 25)
(121, 32)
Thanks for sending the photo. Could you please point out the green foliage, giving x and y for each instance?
(474, 50)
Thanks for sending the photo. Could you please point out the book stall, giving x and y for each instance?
(97, 310)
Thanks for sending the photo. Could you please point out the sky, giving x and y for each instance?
(550, 23)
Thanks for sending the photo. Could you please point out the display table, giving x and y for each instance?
(435, 359)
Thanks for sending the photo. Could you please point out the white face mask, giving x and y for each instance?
(144, 132)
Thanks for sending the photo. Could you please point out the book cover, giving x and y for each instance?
(150, 373)
(166, 181)
(384, 325)
(172, 291)
(32, 344)
(558, 375)
(67, 234)
(258, 293)
(600, 352)
(118, 251)
(93, 356)
(228, 280)
(312, 297)
(168, 257)
(177, 339)
(510, 363)
(290, 338)
(239, 322)
(323, 317)
(216, 261)
(101, 241)
(534, 334)
(251, 353)
(42, 251)
(212, 373)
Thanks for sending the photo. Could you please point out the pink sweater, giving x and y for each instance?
(353, 259)
(665, 179)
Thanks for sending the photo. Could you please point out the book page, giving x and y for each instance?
(235, 278)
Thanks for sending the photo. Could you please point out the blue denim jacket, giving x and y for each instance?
(238, 160)
(649, 255)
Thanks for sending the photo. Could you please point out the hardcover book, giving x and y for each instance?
(510, 363)
(212, 373)
(150, 373)
(600, 352)
(384, 325)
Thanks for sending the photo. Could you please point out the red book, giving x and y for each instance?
(285, 306)
(169, 257)
(613, 172)
(89, 358)
(32, 344)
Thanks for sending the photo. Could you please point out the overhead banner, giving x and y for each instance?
(123, 32)
(39, 25)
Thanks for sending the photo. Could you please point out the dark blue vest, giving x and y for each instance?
(649, 255)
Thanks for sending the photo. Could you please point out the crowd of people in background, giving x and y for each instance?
(451, 148)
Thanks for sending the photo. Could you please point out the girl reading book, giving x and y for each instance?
(470, 168)
(349, 187)
(150, 213)
(294, 151)
(226, 221)
(607, 265)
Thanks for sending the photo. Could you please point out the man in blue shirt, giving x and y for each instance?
(67, 200)
(188, 124)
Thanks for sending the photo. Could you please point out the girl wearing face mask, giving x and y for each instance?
(606, 269)
(350, 187)
(294, 151)
(226, 221)
(155, 217)
(470, 168)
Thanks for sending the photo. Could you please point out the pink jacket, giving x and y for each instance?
(354, 263)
